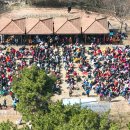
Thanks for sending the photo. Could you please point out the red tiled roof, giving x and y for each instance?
(16, 26)
(103, 22)
(58, 22)
(96, 28)
(65, 26)
(4, 22)
(21, 23)
(76, 22)
(30, 23)
(48, 22)
(86, 22)
(61, 26)
(37, 26)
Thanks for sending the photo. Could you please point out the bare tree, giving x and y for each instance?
(122, 9)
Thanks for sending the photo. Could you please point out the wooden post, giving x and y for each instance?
(3, 40)
(104, 39)
(53, 29)
(21, 40)
(0, 39)
(85, 38)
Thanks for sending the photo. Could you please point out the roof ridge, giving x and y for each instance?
(18, 19)
(101, 18)
(74, 18)
(46, 18)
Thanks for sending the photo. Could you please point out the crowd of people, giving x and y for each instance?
(110, 71)
(13, 60)
(104, 70)
(112, 38)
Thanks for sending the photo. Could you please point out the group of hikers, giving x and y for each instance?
(13, 60)
(104, 70)
(110, 71)
(59, 39)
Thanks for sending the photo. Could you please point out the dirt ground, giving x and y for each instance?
(59, 12)
(45, 12)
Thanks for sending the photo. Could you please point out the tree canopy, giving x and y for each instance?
(7, 126)
(33, 87)
(67, 118)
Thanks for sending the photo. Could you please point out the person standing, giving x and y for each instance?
(0, 106)
(5, 103)
(69, 6)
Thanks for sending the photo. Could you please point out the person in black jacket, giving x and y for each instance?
(69, 7)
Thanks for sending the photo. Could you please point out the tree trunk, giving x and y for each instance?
(121, 26)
